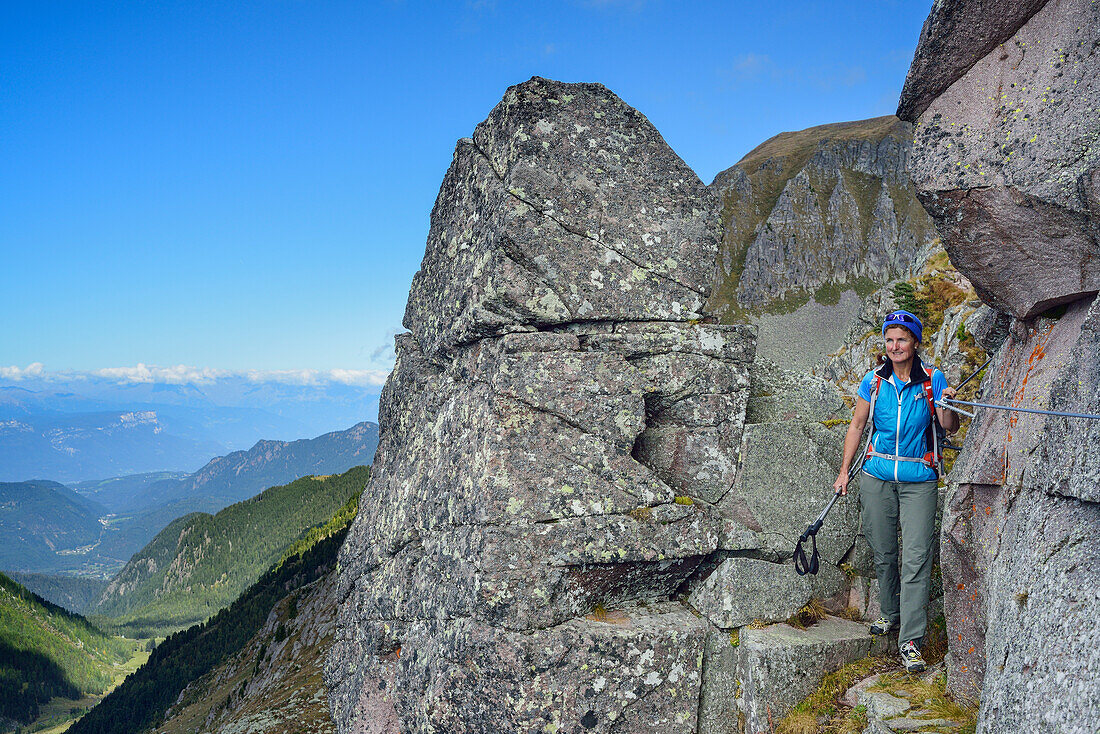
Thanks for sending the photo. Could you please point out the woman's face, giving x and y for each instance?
(900, 344)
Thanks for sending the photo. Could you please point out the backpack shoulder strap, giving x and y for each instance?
(929, 398)
(934, 427)
(875, 385)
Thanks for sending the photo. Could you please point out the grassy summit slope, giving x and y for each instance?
(201, 563)
(829, 207)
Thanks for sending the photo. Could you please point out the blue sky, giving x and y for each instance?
(247, 185)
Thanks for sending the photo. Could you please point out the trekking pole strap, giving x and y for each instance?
(802, 564)
(810, 565)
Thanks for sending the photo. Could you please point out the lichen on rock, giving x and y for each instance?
(554, 414)
(1005, 159)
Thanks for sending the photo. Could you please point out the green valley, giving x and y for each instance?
(48, 653)
(188, 662)
(200, 563)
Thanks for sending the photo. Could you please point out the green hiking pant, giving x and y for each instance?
(903, 596)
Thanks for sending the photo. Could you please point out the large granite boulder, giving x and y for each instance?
(553, 436)
(566, 510)
(1006, 161)
(1007, 157)
(778, 666)
(779, 395)
(745, 590)
(636, 673)
(786, 478)
(565, 206)
(956, 35)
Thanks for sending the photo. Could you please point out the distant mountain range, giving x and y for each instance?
(96, 530)
(239, 475)
(73, 446)
(80, 427)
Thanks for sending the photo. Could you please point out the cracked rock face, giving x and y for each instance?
(566, 205)
(1006, 161)
(956, 35)
(1010, 555)
(552, 437)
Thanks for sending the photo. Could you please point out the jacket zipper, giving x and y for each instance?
(897, 434)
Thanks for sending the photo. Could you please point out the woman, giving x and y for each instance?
(899, 477)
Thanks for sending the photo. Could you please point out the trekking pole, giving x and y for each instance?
(974, 373)
(945, 443)
(810, 565)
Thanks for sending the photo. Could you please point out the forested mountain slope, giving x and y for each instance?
(38, 519)
(201, 563)
(46, 651)
(261, 656)
(71, 592)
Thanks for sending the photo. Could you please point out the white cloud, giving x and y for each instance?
(34, 369)
(188, 375)
(179, 375)
(385, 352)
(318, 377)
(360, 377)
(752, 64)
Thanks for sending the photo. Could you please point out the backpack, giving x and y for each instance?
(933, 459)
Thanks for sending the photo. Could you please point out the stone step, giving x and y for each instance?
(772, 669)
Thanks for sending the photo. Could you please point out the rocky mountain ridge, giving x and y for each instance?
(809, 214)
(584, 492)
(238, 475)
(565, 485)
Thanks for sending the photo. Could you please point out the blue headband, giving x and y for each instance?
(903, 318)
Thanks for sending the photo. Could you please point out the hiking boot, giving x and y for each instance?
(910, 655)
(881, 626)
